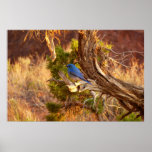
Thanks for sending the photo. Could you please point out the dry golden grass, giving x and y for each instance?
(78, 114)
(28, 91)
(19, 110)
(133, 75)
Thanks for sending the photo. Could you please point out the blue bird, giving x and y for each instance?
(75, 73)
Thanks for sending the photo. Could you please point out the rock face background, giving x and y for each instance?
(122, 40)
(126, 40)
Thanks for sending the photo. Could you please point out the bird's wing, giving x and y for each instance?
(75, 69)
(77, 74)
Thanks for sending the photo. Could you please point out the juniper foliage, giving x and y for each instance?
(60, 90)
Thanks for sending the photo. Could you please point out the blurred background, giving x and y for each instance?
(122, 40)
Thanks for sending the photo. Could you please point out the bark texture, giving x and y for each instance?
(130, 97)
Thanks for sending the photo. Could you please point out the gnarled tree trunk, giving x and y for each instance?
(131, 97)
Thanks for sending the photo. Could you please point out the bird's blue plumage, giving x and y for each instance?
(75, 73)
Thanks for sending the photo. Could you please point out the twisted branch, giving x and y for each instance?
(128, 94)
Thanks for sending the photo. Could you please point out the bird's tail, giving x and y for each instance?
(82, 78)
(87, 81)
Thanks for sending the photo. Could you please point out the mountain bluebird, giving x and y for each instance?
(75, 73)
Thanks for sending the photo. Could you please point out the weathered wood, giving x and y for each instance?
(127, 94)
